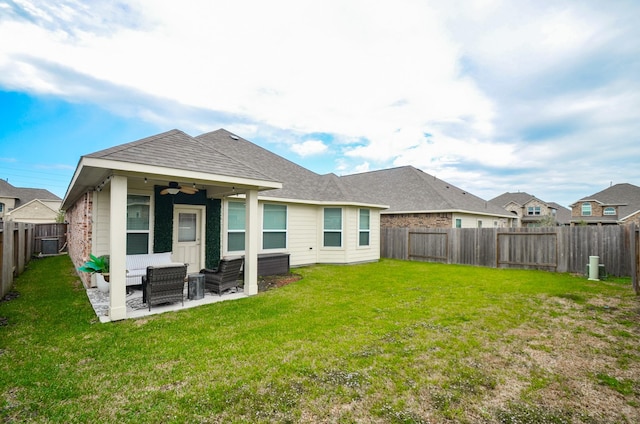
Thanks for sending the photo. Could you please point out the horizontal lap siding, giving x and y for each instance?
(356, 253)
(302, 234)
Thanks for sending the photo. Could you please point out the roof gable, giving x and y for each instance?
(625, 196)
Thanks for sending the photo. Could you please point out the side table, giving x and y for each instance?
(196, 286)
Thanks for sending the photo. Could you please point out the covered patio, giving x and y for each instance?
(137, 309)
(175, 176)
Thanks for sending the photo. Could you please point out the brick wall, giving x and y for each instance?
(633, 218)
(596, 209)
(80, 233)
(427, 220)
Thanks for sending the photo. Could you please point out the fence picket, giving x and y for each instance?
(561, 249)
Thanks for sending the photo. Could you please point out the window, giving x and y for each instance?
(235, 226)
(533, 210)
(274, 227)
(187, 225)
(364, 228)
(609, 211)
(586, 209)
(1, 207)
(479, 224)
(332, 227)
(138, 208)
(458, 223)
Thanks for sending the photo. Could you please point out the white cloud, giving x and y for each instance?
(498, 85)
(309, 148)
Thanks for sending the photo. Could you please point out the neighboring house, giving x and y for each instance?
(531, 211)
(417, 199)
(32, 205)
(618, 204)
(245, 201)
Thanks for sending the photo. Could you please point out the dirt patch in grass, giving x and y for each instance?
(571, 363)
(276, 281)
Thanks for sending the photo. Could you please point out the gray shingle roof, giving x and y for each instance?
(408, 189)
(25, 195)
(298, 183)
(520, 198)
(625, 196)
(7, 190)
(178, 150)
(563, 215)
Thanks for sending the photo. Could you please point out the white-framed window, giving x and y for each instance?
(364, 227)
(235, 226)
(479, 223)
(1, 207)
(586, 209)
(274, 226)
(533, 210)
(458, 222)
(138, 223)
(332, 227)
(609, 211)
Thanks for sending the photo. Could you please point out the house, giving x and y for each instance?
(618, 204)
(31, 205)
(417, 199)
(531, 211)
(211, 196)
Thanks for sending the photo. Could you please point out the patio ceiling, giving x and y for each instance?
(92, 174)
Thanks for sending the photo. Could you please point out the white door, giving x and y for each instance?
(188, 236)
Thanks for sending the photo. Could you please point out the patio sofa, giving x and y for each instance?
(137, 265)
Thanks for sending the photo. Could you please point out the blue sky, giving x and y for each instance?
(489, 95)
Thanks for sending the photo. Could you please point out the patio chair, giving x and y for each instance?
(164, 284)
(224, 277)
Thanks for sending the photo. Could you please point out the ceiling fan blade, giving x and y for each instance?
(189, 190)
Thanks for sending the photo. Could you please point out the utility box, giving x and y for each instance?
(49, 246)
(602, 274)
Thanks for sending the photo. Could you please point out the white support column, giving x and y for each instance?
(251, 239)
(118, 249)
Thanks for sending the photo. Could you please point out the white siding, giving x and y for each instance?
(101, 220)
(305, 236)
(471, 221)
(302, 233)
(357, 253)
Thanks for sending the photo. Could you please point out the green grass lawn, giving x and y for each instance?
(387, 342)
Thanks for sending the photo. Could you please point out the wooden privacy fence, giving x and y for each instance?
(20, 241)
(561, 249)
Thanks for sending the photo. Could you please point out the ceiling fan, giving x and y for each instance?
(175, 188)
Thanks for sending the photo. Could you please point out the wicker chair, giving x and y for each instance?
(224, 277)
(164, 284)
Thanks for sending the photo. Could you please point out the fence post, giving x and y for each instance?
(7, 257)
(634, 252)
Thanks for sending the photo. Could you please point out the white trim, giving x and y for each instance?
(342, 238)
(446, 211)
(262, 230)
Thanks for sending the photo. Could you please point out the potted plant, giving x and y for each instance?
(98, 266)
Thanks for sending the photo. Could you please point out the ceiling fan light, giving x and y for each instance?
(173, 190)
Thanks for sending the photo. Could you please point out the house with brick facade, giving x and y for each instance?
(618, 204)
(211, 196)
(32, 205)
(531, 211)
(417, 199)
